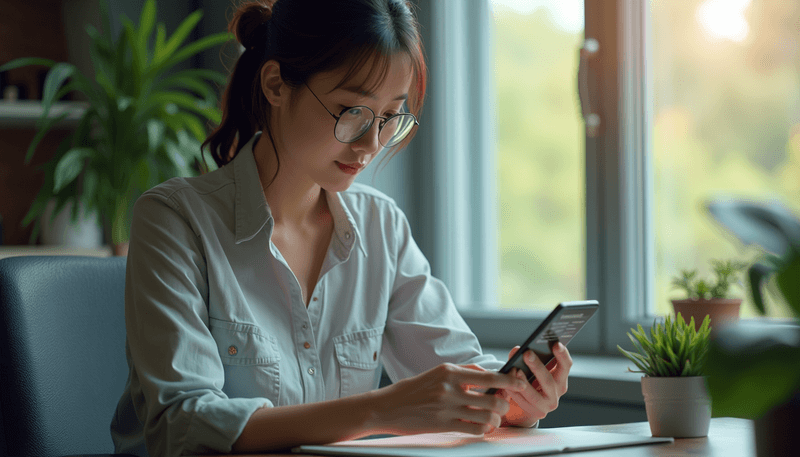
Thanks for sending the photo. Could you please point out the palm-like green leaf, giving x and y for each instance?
(44, 125)
(54, 80)
(139, 128)
(788, 280)
(25, 61)
(146, 23)
(70, 166)
(188, 51)
(176, 40)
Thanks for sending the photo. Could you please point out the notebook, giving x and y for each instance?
(503, 442)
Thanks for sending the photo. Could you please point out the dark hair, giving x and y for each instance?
(307, 37)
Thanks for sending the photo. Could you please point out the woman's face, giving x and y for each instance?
(304, 130)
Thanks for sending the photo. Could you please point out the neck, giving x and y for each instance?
(294, 201)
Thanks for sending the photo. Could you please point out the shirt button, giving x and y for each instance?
(315, 299)
(232, 350)
(311, 371)
(375, 355)
(347, 235)
(305, 326)
(306, 345)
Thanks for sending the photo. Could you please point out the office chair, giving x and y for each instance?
(62, 353)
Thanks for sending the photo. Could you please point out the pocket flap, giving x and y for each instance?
(244, 344)
(360, 349)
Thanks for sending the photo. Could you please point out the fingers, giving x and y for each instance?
(457, 425)
(546, 396)
(563, 367)
(487, 379)
(475, 412)
(486, 402)
(480, 416)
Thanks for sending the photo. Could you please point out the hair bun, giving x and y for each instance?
(249, 22)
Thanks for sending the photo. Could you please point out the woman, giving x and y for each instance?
(262, 298)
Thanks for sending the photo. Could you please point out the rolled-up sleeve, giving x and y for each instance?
(423, 327)
(177, 373)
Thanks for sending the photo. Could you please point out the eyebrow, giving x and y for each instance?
(365, 93)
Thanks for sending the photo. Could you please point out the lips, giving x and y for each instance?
(350, 169)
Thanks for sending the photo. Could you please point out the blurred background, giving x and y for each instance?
(725, 107)
(726, 121)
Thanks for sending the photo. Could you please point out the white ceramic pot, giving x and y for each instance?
(679, 407)
(58, 229)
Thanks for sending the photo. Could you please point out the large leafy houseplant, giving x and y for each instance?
(144, 119)
(754, 368)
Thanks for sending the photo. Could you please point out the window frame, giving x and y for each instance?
(619, 232)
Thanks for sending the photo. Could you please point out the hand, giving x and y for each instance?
(440, 400)
(541, 396)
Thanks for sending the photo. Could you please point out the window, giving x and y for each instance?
(694, 99)
(540, 152)
(726, 122)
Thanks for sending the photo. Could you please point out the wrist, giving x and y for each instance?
(372, 404)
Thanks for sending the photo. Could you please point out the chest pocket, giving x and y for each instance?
(250, 358)
(358, 354)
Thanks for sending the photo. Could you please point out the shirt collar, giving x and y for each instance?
(344, 225)
(252, 212)
(250, 207)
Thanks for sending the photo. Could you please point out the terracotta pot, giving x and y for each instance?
(120, 249)
(722, 311)
(677, 406)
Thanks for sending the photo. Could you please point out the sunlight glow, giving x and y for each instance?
(724, 19)
(566, 14)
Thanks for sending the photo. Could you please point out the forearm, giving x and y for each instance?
(278, 428)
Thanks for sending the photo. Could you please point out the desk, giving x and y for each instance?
(727, 437)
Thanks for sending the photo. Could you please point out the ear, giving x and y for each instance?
(272, 85)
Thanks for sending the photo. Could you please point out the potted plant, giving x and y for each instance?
(144, 119)
(754, 368)
(672, 359)
(710, 297)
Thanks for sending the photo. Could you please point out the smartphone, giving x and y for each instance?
(561, 325)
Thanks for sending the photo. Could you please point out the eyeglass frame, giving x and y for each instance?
(383, 122)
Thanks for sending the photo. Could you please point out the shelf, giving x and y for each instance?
(25, 113)
(15, 251)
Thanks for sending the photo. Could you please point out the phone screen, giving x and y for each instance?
(561, 325)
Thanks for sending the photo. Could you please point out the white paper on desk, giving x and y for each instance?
(503, 442)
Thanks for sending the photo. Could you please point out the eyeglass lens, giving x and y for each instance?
(355, 122)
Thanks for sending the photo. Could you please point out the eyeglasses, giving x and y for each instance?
(354, 122)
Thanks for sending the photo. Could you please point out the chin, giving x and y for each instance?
(339, 186)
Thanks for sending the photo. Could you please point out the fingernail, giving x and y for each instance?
(559, 347)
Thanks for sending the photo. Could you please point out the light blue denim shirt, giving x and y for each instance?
(217, 326)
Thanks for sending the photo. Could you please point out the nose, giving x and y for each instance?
(368, 143)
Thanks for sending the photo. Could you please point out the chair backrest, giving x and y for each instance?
(62, 353)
